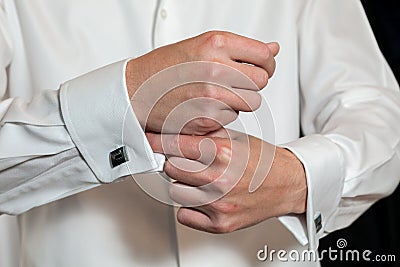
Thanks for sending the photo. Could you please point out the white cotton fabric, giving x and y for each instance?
(59, 124)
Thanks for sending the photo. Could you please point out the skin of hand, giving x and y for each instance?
(207, 106)
(282, 192)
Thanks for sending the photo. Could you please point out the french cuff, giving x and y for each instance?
(100, 120)
(323, 166)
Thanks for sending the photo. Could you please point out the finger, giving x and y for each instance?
(190, 196)
(175, 145)
(271, 64)
(219, 82)
(226, 133)
(195, 219)
(188, 172)
(220, 133)
(199, 148)
(228, 97)
(203, 125)
(254, 74)
(250, 51)
(194, 173)
(275, 47)
(242, 100)
(252, 100)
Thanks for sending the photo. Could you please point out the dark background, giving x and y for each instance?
(378, 229)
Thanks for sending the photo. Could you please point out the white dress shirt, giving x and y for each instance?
(59, 125)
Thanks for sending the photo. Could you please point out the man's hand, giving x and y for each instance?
(241, 67)
(223, 164)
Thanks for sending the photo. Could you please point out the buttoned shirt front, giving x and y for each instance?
(333, 99)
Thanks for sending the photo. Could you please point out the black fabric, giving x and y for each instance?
(378, 229)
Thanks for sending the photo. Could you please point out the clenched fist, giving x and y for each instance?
(200, 84)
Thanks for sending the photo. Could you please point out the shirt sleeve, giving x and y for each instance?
(61, 142)
(350, 114)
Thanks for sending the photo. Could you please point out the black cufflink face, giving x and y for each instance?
(318, 223)
(118, 156)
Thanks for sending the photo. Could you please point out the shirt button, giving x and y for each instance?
(163, 13)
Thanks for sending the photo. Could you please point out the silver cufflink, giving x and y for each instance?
(318, 222)
(118, 156)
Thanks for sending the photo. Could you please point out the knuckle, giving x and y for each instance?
(222, 207)
(224, 152)
(169, 169)
(172, 190)
(207, 123)
(214, 71)
(207, 71)
(263, 78)
(265, 52)
(175, 192)
(182, 218)
(223, 226)
(211, 91)
(216, 40)
(207, 179)
(259, 77)
(199, 131)
(210, 179)
(257, 102)
(223, 184)
(172, 144)
(234, 115)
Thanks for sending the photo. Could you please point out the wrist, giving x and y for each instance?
(132, 77)
(135, 77)
(294, 173)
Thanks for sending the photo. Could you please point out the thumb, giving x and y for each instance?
(274, 47)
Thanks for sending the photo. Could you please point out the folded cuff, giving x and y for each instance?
(323, 166)
(100, 120)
